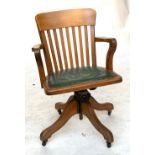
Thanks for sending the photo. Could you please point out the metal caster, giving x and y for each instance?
(60, 112)
(109, 113)
(80, 116)
(108, 144)
(44, 143)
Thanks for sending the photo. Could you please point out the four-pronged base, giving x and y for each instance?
(81, 103)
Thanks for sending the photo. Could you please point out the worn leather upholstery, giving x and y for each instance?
(80, 75)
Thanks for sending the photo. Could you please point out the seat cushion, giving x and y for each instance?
(80, 75)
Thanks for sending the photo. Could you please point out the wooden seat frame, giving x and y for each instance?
(81, 102)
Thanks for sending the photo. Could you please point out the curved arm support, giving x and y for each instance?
(112, 48)
(36, 49)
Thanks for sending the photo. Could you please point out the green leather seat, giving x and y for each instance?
(80, 75)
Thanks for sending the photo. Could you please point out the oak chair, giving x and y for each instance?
(66, 60)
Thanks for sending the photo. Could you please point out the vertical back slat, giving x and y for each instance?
(69, 47)
(81, 46)
(93, 49)
(58, 49)
(52, 50)
(87, 47)
(46, 53)
(75, 48)
(63, 48)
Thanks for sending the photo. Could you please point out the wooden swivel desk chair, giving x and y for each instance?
(68, 44)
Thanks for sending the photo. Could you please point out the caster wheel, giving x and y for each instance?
(108, 144)
(60, 112)
(109, 113)
(44, 143)
(80, 116)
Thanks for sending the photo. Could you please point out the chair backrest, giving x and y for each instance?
(68, 38)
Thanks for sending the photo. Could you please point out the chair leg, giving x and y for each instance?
(87, 107)
(60, 106)
(69, 111)
(89, 112)
(104, 106)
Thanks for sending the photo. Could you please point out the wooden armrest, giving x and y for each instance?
(112, 48)
(36, 49)
(104, 39)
